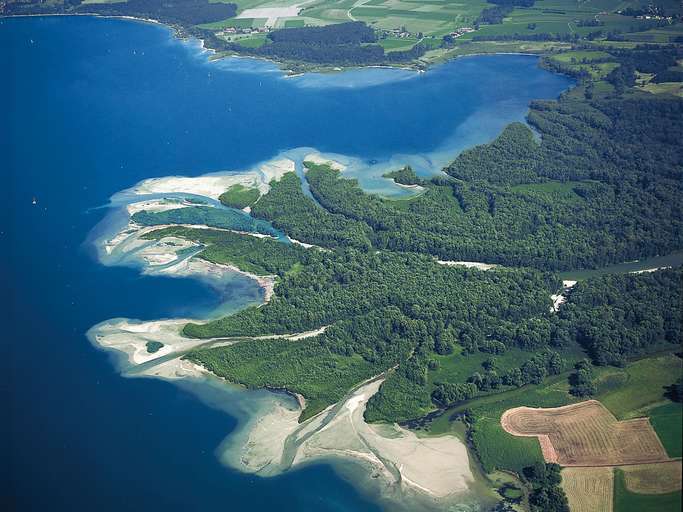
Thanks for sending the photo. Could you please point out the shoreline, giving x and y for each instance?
(179, 32)
(338, 433)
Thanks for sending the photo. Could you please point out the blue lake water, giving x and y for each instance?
(92, 106)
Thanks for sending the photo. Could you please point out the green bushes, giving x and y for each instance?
(238, 196)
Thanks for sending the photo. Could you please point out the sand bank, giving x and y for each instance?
(131, 338)
(648, 270)
(467, 264)
(213, 185)
(318, 159)
(435, 466)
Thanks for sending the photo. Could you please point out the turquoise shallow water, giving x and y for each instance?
(92, 106)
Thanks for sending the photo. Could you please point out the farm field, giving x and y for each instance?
(496, 448)
(628, 392)
(625, 390)
(586, 434)
(589, 489)
(667, 421)
(661, 478)
(627, 501)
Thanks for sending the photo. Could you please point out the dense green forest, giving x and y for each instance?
(288, 208)
(575, 200)
(618, 317)
(404, 176)
(386, 309)
(571, 197)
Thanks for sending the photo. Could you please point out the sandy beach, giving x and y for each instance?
(434, 466)
(213, 185)
(131, 338)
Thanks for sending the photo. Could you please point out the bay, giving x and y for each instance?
(92, 106)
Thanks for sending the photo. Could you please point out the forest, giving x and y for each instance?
(443, 334)
(575, 200)
(571, 196)
(619, 317)
(387, 309)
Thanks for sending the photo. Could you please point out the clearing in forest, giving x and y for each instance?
(586, 434)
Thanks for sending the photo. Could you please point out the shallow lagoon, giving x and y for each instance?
(92, 106)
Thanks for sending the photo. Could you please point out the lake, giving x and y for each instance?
(92, 106)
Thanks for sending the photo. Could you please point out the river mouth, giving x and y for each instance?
(126, 116)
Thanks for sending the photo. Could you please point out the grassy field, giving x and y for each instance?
(397, 43)
(427, 21)
(626, 501)
(629, 392)
(626, 392)
(673, 88)
(552, 188)
(457, 367)
(662, 478)
(496, 448)
(667, 421)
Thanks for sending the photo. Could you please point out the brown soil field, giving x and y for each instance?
(586, 434)
(589, 489)
(653, 478)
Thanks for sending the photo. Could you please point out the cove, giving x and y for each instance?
(93, 106)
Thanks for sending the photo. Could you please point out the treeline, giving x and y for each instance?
(343, 284)
(646, 60)
(494, 15)
(343, 44)
(619, 317)
(188, 12)
(404, 176)
(546, 495)
(354, 32)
